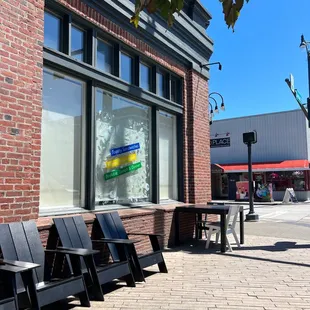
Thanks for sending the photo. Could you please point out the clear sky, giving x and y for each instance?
(259, 55)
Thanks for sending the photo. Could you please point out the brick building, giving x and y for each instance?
(97, 115)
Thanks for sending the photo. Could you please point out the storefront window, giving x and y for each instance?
(122, 150)
(51, 31)
(167, 156)
(281, 180)
(61, 144)
(77, 43)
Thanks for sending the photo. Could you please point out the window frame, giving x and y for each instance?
(111, 82)
(84, 31)
(146, 64)
(61, 30)
(112, 46)
(128, 54)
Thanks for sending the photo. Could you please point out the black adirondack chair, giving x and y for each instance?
(21, 243)
(112, 226)
(8, 272)
(73, 234)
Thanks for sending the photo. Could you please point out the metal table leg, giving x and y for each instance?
(241, 215)
(223, 233)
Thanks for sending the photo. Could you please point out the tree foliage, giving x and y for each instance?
(167, 9)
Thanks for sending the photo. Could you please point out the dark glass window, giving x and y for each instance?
(126, 68)
(174, 89)
(77, 43)
(51, 31)
(104, 56)
(145, 77)
(160, 87)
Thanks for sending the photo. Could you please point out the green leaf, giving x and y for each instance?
(135, 20)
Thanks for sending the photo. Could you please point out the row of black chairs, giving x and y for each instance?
(27, 270)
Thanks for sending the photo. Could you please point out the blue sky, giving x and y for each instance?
(259, 55)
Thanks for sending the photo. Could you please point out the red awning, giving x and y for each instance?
(288, 165)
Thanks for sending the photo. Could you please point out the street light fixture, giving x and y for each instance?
(304, 44)
(210, 64)
(222, 104)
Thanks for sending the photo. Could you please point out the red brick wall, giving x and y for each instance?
(159, 220)
(21, 41)
(21, 62)
(197, 140)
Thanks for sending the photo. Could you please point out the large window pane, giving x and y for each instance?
(61, 140)
(160, 87)
(51, 31)
(77, 43)
(126, 68)
(145, 77)
(122, 150)
(104, 56)
(167, 156)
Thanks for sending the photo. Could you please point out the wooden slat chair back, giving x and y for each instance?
(111, 226)
(73, 233)
(21, 242)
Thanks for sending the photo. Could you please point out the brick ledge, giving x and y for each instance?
(46, 222)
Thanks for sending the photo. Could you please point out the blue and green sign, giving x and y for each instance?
(117, 172)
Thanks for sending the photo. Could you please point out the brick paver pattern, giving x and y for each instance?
(266, 273)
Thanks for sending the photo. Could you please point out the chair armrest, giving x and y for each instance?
(17, 263)
(72, 251)
(142, 234)
(116, 241)
(14, 269)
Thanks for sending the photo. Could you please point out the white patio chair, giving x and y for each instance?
(215, 228)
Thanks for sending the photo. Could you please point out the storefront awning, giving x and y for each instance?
(215, 168)
(288, 165)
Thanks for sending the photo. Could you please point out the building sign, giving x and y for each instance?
(220, 142)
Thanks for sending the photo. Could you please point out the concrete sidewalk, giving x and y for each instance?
(266, 273)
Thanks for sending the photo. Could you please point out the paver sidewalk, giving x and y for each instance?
(266, 273)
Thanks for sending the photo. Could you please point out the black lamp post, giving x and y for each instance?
(304, 44)
(250, 138)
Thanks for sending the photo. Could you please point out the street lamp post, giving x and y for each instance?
(304, 44)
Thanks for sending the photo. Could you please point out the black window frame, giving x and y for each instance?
(61, 30)
(133, 63)
(94, 77)
(112, 46)
(84, 31)
(149, 66)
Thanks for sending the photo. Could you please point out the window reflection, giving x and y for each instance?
(174, 90)
(104, 56)
(60, 183)
(51, 31)
(126, 68)
(160, 87)
(77, 43)
(145, 77)
(167, 156)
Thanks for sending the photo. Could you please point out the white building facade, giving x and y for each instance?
(280, 157)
